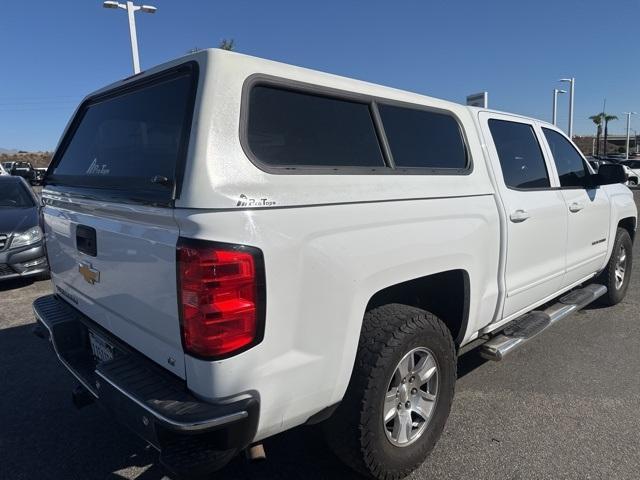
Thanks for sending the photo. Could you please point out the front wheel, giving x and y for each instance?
(617, 274)
(400, 393)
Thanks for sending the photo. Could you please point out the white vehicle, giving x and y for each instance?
(633, 171)
(239, 247)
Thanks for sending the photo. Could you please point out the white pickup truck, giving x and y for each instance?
(239, 247)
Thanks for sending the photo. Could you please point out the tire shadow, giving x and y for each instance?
(14, 284)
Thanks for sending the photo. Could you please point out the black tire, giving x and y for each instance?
(356, 432)
(616, 293)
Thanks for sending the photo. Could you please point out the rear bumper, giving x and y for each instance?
(23, 262)
(151, 401)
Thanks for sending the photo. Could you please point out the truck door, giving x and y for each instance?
(588, 209)
(536, 218)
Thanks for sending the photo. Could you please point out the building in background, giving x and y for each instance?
(615, 144)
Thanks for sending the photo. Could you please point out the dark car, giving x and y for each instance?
(24, 170)
(21, 240)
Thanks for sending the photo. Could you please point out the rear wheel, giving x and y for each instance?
(400, 393)
(617, 274)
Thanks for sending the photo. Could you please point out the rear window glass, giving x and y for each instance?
(288, 128)
(423, 139)
(125, 140)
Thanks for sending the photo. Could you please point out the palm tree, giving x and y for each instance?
(597, 119)
(607, 119)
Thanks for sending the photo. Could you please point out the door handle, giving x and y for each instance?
(519, 216)
(575, 207)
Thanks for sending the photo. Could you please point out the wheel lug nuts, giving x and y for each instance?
(414, 391)
(404, 380)
(399, 406)
(407, 405)
(412, 379)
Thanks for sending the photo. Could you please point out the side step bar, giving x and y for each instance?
(524, 328)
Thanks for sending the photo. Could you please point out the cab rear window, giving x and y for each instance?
(131, 140)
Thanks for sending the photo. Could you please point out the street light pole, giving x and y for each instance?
(554, 116)
(628, 114)
(135, 56)
(131, 10)
(572, 84)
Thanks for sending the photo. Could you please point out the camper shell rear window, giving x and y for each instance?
(131, 142)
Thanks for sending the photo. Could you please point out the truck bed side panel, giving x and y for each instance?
(323, 264)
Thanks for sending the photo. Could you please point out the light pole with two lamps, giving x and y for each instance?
(131, 9)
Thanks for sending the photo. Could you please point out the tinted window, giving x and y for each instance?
(520, 156)
(569, 163)
(419, 138)
(124, 141)
(14, 195)
(288, 128)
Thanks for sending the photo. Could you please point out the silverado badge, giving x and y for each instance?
(90, 274)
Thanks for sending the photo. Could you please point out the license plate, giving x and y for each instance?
(102, 350)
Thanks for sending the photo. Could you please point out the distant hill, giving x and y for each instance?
(37, 159)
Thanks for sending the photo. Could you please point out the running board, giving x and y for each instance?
(524, 328)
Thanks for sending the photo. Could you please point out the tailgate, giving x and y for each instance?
(108, 209)
(117, 265)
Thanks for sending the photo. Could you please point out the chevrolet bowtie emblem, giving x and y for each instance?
(90, 274)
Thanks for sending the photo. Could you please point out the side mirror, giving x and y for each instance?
(610, 173)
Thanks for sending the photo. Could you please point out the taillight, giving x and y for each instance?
(221, 297)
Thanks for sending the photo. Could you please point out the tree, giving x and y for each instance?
(597, 120)
(226, 44)
(607, 119)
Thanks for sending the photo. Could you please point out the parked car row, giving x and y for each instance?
(25, 170)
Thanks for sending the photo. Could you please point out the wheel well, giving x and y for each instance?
(444, 294)
(629, 224)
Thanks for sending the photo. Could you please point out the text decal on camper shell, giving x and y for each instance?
(244, 201)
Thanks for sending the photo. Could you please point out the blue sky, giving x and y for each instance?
(55, 52)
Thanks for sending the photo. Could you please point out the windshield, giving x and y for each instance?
(14, 195)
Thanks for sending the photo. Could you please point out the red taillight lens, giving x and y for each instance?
(220, 294)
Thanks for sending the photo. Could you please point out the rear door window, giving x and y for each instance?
(288, 128)
(521, 159)
(132, 140)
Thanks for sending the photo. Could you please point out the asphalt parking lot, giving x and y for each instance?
(564, 406)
